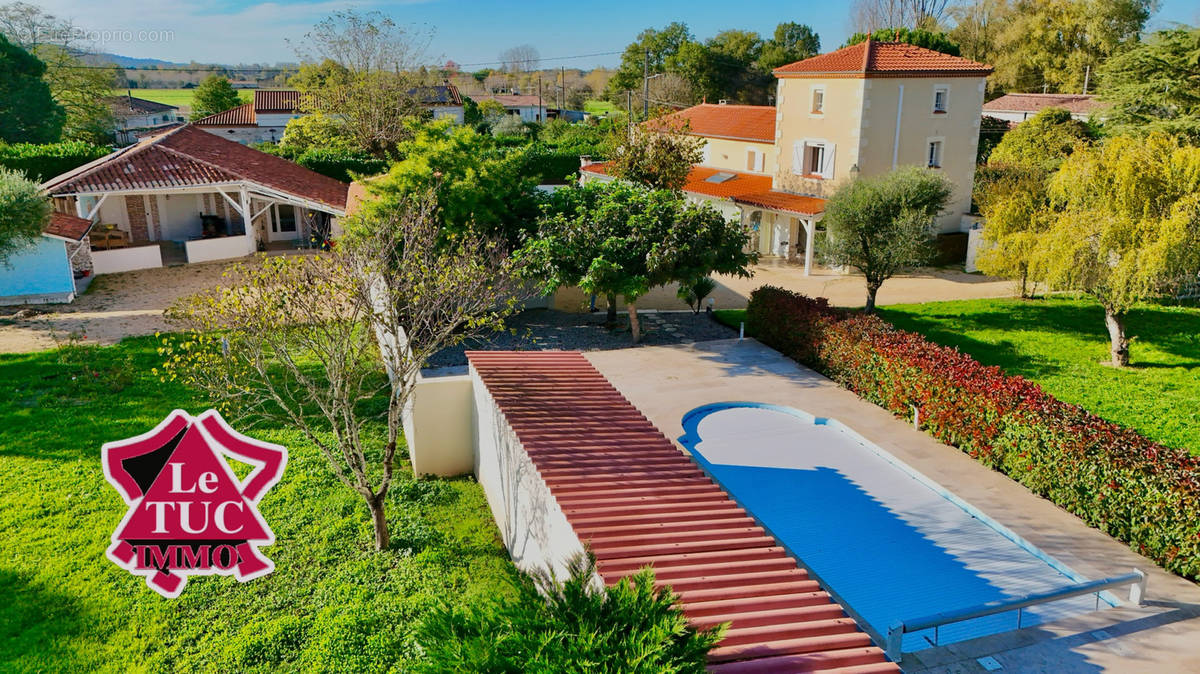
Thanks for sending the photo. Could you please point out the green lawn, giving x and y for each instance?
(176, 97)
(1060, 344)
(332, 604)
(598, 107)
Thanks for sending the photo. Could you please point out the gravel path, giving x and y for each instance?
(544, 329)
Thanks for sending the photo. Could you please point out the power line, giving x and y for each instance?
(220, 69)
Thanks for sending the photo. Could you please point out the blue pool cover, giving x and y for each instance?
(890, 544)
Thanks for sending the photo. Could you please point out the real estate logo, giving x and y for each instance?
(189, 514)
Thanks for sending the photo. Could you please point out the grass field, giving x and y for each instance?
(1061, 343)
(332, 604)
(176, 97)
(598, 107)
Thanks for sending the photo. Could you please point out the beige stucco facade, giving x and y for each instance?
(875, 124)
(747, 156)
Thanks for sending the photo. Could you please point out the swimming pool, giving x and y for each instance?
(889, 543)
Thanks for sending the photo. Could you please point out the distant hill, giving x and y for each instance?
(130, 61)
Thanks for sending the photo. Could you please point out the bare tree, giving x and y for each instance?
(381, 90)
(522, 58)
(365, 43)
(332, 345)
(870, 15)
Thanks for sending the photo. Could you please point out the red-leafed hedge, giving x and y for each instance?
(1111, 477)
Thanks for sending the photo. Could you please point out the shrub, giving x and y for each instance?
(1116, 480)
(569, 627)
(550, 167)
(43, 162)
(336, 163)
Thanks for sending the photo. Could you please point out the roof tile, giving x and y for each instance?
(67, 226)
(748, 188)
(189, 156)
(742, 122)
(1076, 103)
(872, 58)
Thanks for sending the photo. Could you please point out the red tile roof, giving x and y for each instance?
(741, 122)
(67, 226)
(126, 106)
(636, 501)
(189, 156)
(1077, 103)
(872, 58)
(747, 188)
(242, 115)
(276, 101)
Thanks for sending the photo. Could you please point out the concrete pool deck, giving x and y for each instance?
(1163, 635)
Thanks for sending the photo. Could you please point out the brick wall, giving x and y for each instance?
(135, 206)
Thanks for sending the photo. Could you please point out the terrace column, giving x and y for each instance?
(251, 235)
(809, 238)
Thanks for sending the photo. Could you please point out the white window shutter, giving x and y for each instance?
(798, 158)
(827, 164)
(762, 161)
(706, 153)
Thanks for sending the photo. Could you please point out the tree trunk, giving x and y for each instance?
(872, 290)
(1118, 342)
(379, 522)
(634, 326)
(1024, 282)
(611, 317)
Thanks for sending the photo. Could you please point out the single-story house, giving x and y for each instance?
(185, 196)
(1020, 107)
(264, 119)
(49, 269)
(134, 116)
(529, 107)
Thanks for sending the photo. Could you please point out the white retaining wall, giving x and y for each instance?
(126, 259)
(532, 525)
(439, 428)
(220, 248)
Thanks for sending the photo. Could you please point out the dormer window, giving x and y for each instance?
(818, 101)
(941, 100)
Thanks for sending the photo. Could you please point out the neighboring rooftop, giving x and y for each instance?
(187, 156)
(739, 122)
(872, 58)
(286, 102)
(744, 188)
(129, 106)
(1079, 104)
(515, 100)
(67, 226)
(635, 500)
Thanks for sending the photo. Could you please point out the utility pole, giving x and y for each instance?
(629, 107)
(562, 101)
(646, 85)
(541, 108)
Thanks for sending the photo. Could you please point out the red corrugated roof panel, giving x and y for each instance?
(872, 58)
(636, 501)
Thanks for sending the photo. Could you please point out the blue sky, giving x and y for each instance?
(467, 31)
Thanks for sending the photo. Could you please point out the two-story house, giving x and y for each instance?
(862, 110)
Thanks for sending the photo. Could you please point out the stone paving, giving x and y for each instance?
(1161, 636)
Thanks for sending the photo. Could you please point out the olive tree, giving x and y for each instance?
(883, 225)
(23, 212)
(331, 345)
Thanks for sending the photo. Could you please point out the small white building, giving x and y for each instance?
(136, 116)
(528, 107)
(264, 119)
(1017, 108)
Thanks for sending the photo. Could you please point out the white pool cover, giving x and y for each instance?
(889, 543)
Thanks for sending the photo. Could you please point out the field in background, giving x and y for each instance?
(597, 107)
(178, 97)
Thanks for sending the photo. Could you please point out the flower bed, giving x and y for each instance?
(1111, 477)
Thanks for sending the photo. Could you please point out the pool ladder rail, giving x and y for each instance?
(895, 636)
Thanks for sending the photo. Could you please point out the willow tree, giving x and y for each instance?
(1123, 226)
(331, 345)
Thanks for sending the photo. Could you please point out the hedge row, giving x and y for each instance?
(43, 162)
(1116, 480)
(550, 167)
